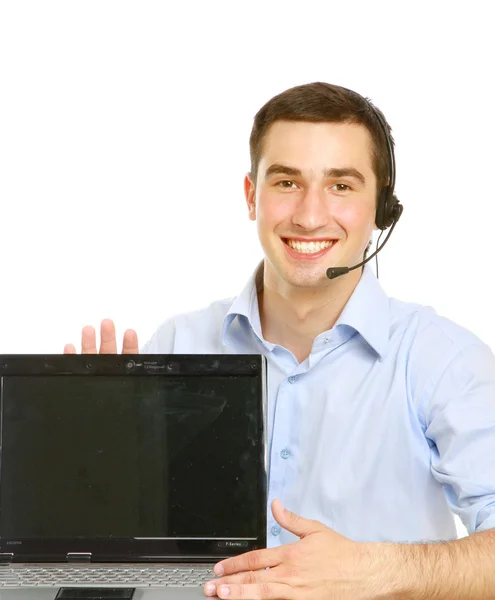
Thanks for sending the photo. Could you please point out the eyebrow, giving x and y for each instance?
(277, 169)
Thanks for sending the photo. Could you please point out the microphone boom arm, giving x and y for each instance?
(334, 272)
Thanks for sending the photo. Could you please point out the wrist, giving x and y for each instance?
(392, 571)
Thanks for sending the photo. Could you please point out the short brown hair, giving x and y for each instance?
(318, 103)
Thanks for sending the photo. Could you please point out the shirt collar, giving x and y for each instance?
(366, 312)
(246, 305)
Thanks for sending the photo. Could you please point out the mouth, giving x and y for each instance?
(305, 249)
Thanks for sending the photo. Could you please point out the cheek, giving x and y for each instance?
(356, 216)
(273, 211)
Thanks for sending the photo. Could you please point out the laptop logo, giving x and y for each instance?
(233, 544)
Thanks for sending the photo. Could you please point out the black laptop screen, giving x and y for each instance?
(129, 457)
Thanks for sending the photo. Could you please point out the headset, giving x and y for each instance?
(388, 209)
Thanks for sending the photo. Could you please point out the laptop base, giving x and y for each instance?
(156, 593)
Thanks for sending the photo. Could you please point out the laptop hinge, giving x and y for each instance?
(6, 557)
(78, 557)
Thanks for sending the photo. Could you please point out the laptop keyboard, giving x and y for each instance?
(105, 575)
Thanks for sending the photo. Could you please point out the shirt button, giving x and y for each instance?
(293, 378)
(275, 530)
(327, 340)
(285, 453)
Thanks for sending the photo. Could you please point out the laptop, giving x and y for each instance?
(128, 475)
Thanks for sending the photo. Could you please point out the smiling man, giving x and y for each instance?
(381, 414)
(313, 194)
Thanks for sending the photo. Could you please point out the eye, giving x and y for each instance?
(286, 184)
(341, 187)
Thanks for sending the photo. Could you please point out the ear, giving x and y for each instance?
(249, 192)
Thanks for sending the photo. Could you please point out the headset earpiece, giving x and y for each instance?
(388, 209)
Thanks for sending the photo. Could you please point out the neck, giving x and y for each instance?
(294, 317)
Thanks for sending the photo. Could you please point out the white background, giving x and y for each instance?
(124, 141)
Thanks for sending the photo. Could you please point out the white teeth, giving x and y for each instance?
(309, 247)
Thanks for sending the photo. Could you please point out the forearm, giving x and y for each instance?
(459, 570)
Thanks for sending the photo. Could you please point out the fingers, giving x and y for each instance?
(88, 340)
(108, 341)
(249, 578)
(256, 591)
(294, 523)
(250, 561)
(130, 345)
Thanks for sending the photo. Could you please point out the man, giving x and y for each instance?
(381, 413)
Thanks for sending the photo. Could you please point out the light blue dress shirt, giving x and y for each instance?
(384, 430)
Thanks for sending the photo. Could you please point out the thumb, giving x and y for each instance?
(292, 522)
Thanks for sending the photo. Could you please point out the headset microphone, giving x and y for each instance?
(388, 210)
(334, 272)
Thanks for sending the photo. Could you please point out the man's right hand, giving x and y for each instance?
(108, 342)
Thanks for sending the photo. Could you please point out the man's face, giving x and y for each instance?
(315, 200)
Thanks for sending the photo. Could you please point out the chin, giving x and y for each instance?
(307, 280)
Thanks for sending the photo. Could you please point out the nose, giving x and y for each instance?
(312, 210)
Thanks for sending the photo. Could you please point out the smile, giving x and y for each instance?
(309, 247)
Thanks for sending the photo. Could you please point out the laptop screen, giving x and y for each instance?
(131, 456)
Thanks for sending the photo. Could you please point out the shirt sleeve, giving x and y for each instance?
(460, 426)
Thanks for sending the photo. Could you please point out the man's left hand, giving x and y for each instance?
(322, 565)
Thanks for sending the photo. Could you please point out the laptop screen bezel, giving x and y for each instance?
(132, 549)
